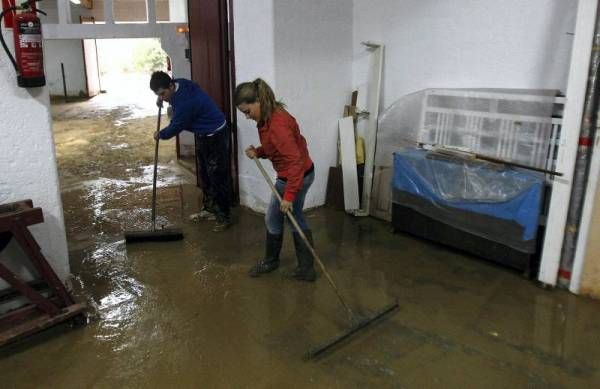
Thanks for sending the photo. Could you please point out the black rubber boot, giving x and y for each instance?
(271, 260)
(305, 270)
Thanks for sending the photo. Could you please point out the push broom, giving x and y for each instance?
(357, 323)
(154, 235)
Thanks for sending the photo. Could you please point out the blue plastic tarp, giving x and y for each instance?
(478, 187)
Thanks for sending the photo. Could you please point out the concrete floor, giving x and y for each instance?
(185, 314)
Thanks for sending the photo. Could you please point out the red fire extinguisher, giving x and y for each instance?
(29, 57)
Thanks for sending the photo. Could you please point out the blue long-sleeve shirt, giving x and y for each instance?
(193, 110)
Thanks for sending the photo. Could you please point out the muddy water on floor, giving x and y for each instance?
(186, 314)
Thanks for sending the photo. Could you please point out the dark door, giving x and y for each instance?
(211, 43)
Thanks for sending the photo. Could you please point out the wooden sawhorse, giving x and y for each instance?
(50, 302)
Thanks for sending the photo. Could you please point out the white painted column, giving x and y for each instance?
(569, 140)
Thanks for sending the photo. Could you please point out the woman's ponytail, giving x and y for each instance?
(258, 91)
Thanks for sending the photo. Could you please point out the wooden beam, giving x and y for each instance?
(112, 31)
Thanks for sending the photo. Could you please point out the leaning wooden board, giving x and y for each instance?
(348, 157)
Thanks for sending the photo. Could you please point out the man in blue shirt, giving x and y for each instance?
(195, 111)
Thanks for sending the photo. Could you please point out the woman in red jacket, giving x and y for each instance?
(282, 143)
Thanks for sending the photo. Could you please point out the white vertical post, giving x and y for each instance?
(109, 17)
(64, 11)
(569, 140)
(586, 218)
(371, 131)
(151, 6)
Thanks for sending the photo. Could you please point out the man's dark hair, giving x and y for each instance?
(160, 80)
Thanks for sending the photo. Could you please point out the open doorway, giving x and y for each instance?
(105, 148)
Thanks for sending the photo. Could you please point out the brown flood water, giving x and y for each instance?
(185, 314)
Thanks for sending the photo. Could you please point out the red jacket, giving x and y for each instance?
(282, 143)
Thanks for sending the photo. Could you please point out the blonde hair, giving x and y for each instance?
(258, 91)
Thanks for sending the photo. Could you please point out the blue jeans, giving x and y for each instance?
(274, 217)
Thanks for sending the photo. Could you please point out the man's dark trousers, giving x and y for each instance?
(212, 155)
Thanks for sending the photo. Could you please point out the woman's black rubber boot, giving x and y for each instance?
(271, 260)
(305, 270)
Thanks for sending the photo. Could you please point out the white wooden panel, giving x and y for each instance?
(348, 154)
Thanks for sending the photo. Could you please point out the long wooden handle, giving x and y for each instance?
(155, 172)
(290, 215)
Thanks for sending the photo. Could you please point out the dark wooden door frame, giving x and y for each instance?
(213, 66)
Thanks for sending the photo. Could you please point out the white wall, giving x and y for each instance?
(303, 49)
(465, 43)
(313, 75)
(70, 53)
(254, 57)
(29, 167)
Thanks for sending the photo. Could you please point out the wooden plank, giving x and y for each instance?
(569, 139)
(334, 196)
(39, 323)
(348, 156)
(354, 98)
(20, 315)
(381, 206)
(23, 210)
